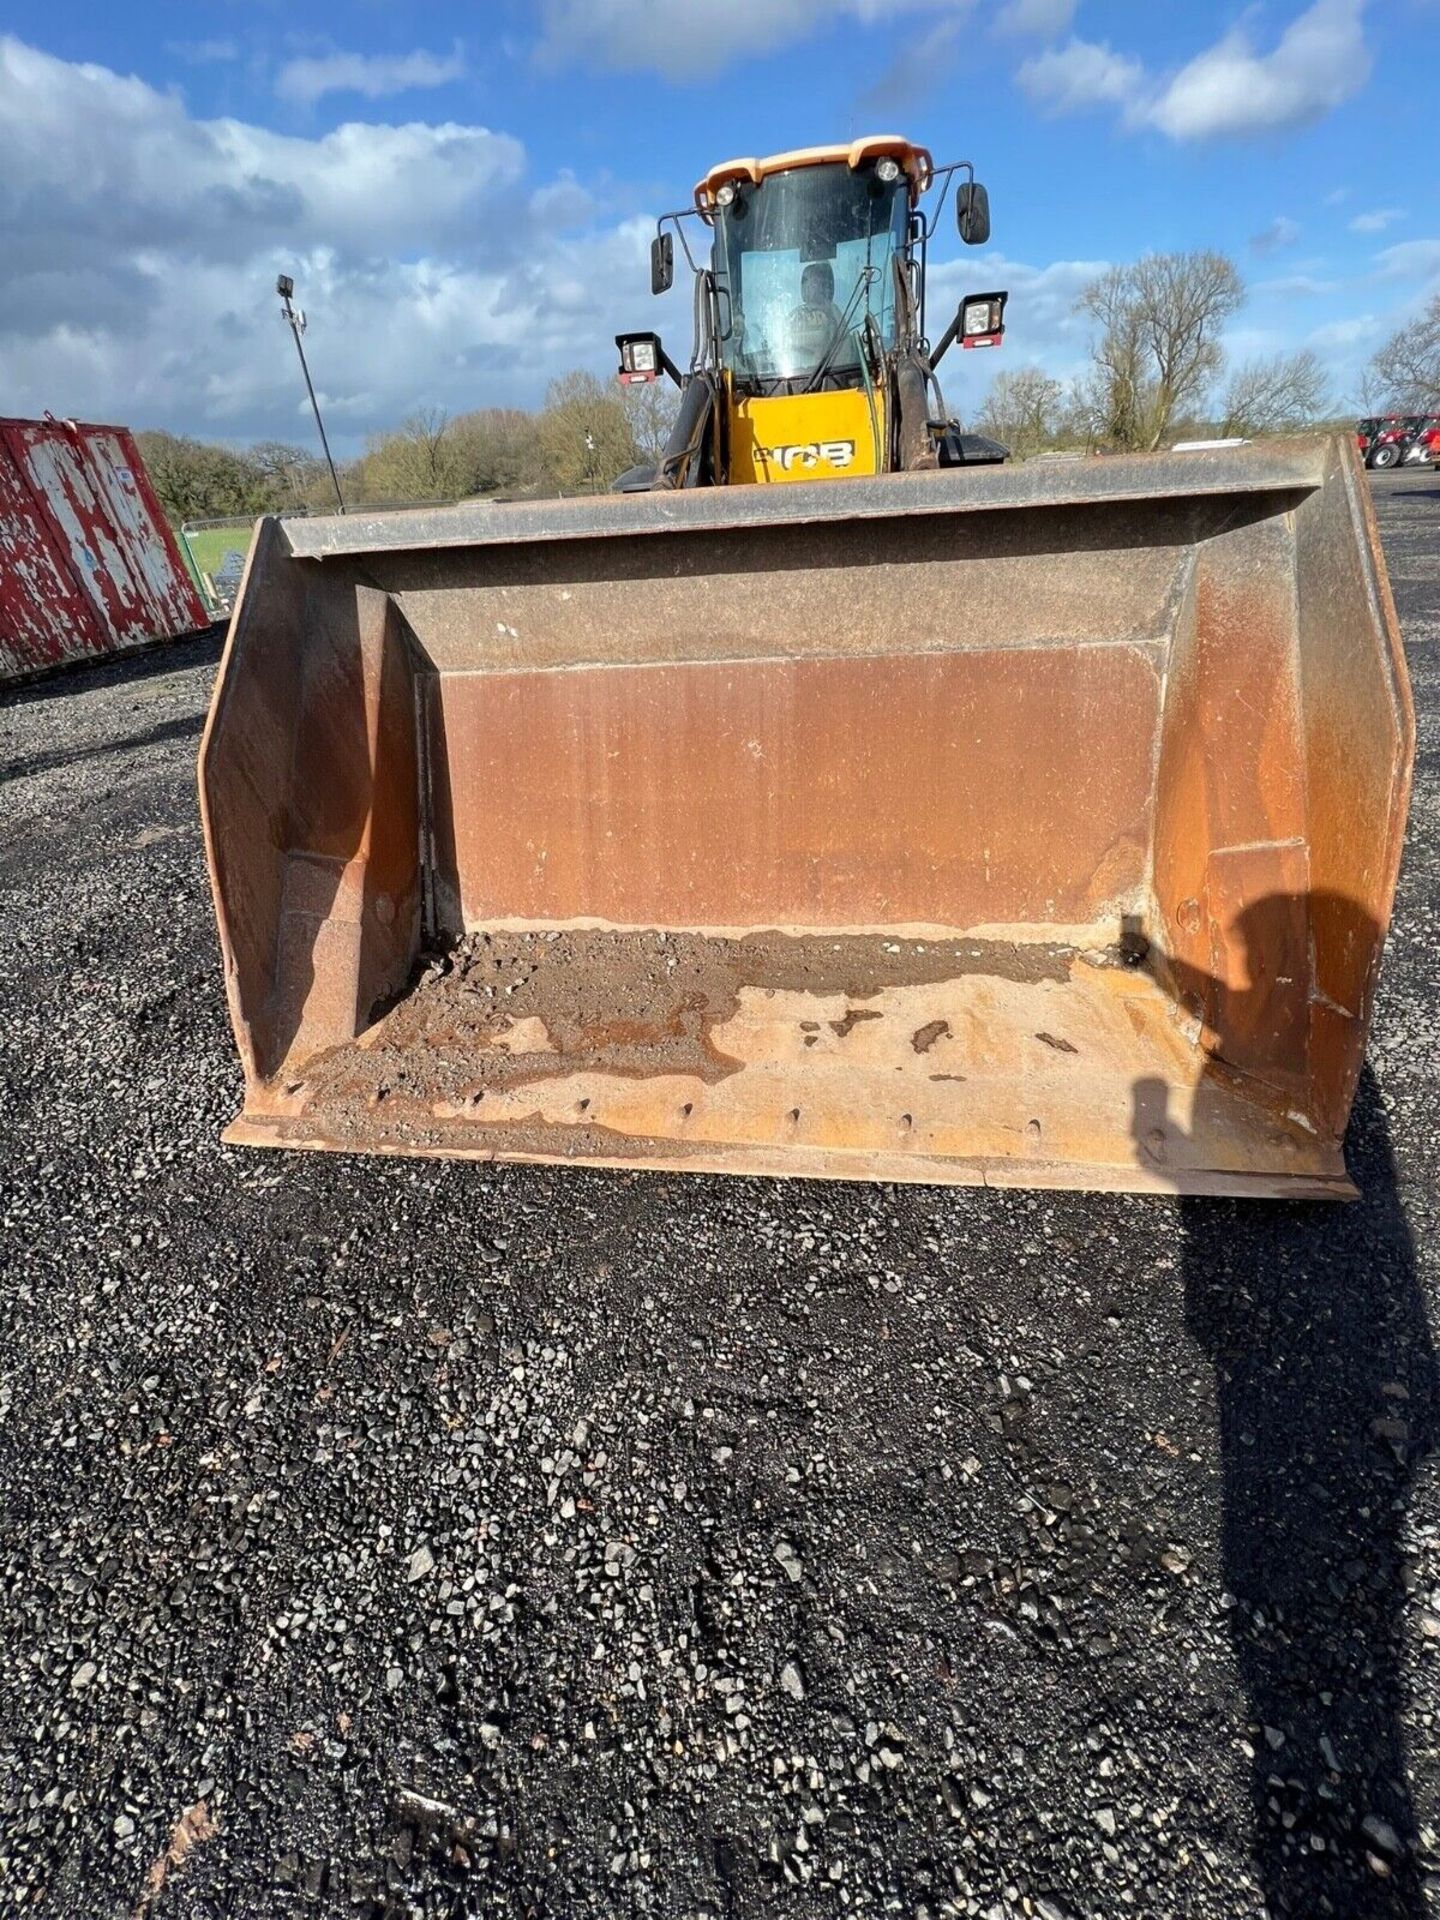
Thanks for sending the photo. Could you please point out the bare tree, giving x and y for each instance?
(650, 407)
(1022, 409)
(1277, 395)
(1371, 393)
(1407, 367)
(1121, 380)
(427, 430)
(1158, 351)
(289, 471)
(1084, 415)
(1185, 299)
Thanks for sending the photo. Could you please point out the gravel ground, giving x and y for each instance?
(396, 1538)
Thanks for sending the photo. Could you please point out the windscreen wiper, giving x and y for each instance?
(862, 285)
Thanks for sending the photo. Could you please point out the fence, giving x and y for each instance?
(216, 548)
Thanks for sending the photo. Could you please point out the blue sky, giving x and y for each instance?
(465, 192)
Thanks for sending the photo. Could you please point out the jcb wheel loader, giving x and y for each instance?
(898, 815)
(810, 359)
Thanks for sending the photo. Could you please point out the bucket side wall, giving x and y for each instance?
(1284, 768)
(350, 907)
(310, 790)
(1359, 739)
(246, 757)
(1231, 866)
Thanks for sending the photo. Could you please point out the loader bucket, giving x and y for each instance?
(1036, 826)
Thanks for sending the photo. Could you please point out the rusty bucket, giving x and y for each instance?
(1024, 826)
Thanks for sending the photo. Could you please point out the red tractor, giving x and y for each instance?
(1409, 440)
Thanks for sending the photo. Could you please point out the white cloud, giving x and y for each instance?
(1319, 61)
(372, 75)
(1281, 232)
(1080, 75)
(146, 175)
(141, 263)
(1042, 326)
(704, 36)
(1361, 329)
(1046, 19)
(1409, 260)
(1378, 221)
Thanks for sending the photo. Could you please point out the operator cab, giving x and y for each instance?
(809, 258)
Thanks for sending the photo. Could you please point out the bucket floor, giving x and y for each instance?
(951, 1060)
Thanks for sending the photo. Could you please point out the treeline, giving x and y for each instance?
(1157, 373)
(1032, 412)
(586, 433)
(199, 481)
(1157, 370)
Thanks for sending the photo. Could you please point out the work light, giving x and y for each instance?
(640, 357)
(982, 320)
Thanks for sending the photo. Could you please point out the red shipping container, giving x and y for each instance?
(88, 563)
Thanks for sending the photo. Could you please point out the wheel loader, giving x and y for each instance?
(833, 798)
(810, 359)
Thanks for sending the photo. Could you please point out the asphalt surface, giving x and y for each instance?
(400, 1538)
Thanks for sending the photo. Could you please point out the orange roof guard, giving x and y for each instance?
(915, 161)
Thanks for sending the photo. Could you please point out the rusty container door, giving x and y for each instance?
(90, 565)
(1016, 826)
(46, 616)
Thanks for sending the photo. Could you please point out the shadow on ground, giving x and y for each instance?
(187, 727)
(1320, 1435)
(201, 649)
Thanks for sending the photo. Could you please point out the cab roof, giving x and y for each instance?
(915, 162)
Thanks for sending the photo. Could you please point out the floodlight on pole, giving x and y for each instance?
(285, 287)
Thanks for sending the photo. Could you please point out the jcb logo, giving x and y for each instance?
(836, 453)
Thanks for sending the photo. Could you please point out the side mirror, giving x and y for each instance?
(662, 262)
(972, 213)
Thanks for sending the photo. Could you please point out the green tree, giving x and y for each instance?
(585, 434)
(421, 460)
(196, 480)
(499, 450)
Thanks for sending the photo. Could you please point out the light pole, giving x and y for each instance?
(285, 287)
